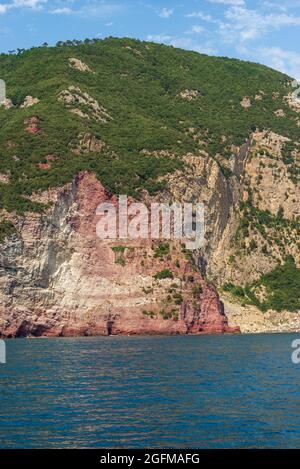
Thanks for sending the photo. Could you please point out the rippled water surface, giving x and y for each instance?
(135, 392)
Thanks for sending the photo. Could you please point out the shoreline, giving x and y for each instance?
(251, 320)
(273, 332)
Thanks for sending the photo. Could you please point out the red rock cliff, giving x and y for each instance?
(59, 279)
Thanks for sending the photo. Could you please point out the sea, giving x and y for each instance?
(230, 391)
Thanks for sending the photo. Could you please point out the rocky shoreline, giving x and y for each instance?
(253, 321)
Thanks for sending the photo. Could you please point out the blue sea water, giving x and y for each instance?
(234, 391)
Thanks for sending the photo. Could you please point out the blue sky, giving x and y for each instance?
(265, 31)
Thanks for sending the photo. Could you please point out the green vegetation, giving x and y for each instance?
(234, 289)
(197, 290)
(274, 229)
(148, 290)
(162, 250)
(139, 84)
(278, 290)
(150, 314)
(173, 314)
(6, 229)
(178, 298)
(166, 273)
(118, 249)
(119, 254)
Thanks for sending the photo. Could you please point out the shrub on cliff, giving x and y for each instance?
(166, 273)
(6, 229)
(281, 288)
(162, 250)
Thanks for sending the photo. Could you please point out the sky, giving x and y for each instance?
(264, 31)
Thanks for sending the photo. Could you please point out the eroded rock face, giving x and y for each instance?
(263, 181)
(29, 101)
(88, 143)
(59, 279)
(251, 320)
(77, 64)
(245, 103)
(4, 178)
(293, 102)
(7, 104)
(32, 125)
(190, 95)
(74, 98)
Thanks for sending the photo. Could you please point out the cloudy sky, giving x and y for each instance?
(265, 31)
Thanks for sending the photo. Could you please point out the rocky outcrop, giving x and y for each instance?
(190, 95)
(245, 103)
(252, 321)
(88, 143)
(29, 101)
(32, 125)
(292, 99)
(263, 177)
(57, 278)
(7, 103)
(77, 64)
(84, 105)
(4, 178)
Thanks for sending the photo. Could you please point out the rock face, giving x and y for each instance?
(268, 189)
(84, 105)
(4, 178)
(32, 125)
(29, 101)
(7, 104)
(252, 321)
(190, 95)
(77, 64)
(88, 143)
(59, 279)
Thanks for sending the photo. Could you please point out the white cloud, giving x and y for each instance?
(244, 25)
(195, 30)
(183, 43)
(283, 60)
(166, 13)
(62, 11)
(100, 10)
(103, 10)
(228, 2)
(202, 16)
(274, 5)
(161, 38)
(3, 8)
(33, 4)
(28, 3)
(187, 43)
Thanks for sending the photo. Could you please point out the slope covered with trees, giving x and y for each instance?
(140, 86)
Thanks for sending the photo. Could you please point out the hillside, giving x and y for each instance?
(152, 121)
(140, 86)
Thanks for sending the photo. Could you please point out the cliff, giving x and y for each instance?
(59, 279)
(83, 123)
